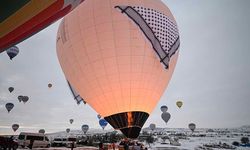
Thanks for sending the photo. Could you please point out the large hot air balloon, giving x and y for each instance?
(103, 123)
(179, 103)
(152, 126)
(25, 99)
(68, 130)
(85, 128)
(20, 98)
(9, 106)
(12, 52)
(119, 56)
(164, 108)
(71, 121)
(22, 19)
(41, 131)
(165, 117)
(192, 126)
(11, 89)
(15, 127)
(76, 96)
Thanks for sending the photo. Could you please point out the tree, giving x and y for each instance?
(244, 140)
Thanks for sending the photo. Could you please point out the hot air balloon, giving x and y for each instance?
(9, 106)
(85, 128)
(99, 116)
(179, 103)
(25, 99)
(49, 85)
(68, 130)
(164, 108)
(165, 117)
(15, 127)
(11, 89)
(103, 123)
(152, 126)
(119, 56)
(20, 98)
(71, 121)
(192, 126)
(41, 131)
(76, 96)
(12, 52)
(22, 19)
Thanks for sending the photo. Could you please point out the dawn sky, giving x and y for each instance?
(212, 76)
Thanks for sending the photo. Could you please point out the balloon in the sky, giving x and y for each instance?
(22, 19)
(11, 89)
(99, 116)
(15, 127)
(179, 103)
(12, 52)
(20, 98)
(192, 126)
(49, 85)
(68, 130)
(25, 99)
(164, 108)
(9, 106)
(41, 131)
(71, 121)
(165, 116)
(152, 126)
(120, 60)
(85, 128)
(103, 123)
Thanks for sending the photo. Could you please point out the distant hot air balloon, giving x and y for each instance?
(179, 103)
(20, 98)
(9, 106)
(15, 127)
(192, 126)
(76, 96)
(41, 131)
(152, 126)
(99, 116)
(68, 130)
(22, 19)
(85, 128)
(71, 121)
(103, 123)
(165, 117)
(25, 99)
(164, 108)
(112, 59)
(49, 85)
(11, 89)
(12, 52)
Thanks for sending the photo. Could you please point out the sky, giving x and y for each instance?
(212, 75)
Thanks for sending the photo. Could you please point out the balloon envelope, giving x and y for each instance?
(152, 126)
(179, 103)
(164, 108)
(99, 116)
(20, 98)
(85, 128)
(11, 89)
(49, 85)
(9, 106)
(71, 121)
(112, 59)
(25, 99)
(22, 19)
(41, 131)
(103, 123)
(15, 127)
(12, 52)
(192, 126)
(68, 130)
(165, 116)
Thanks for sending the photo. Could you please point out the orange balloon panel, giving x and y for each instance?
(110, 60)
